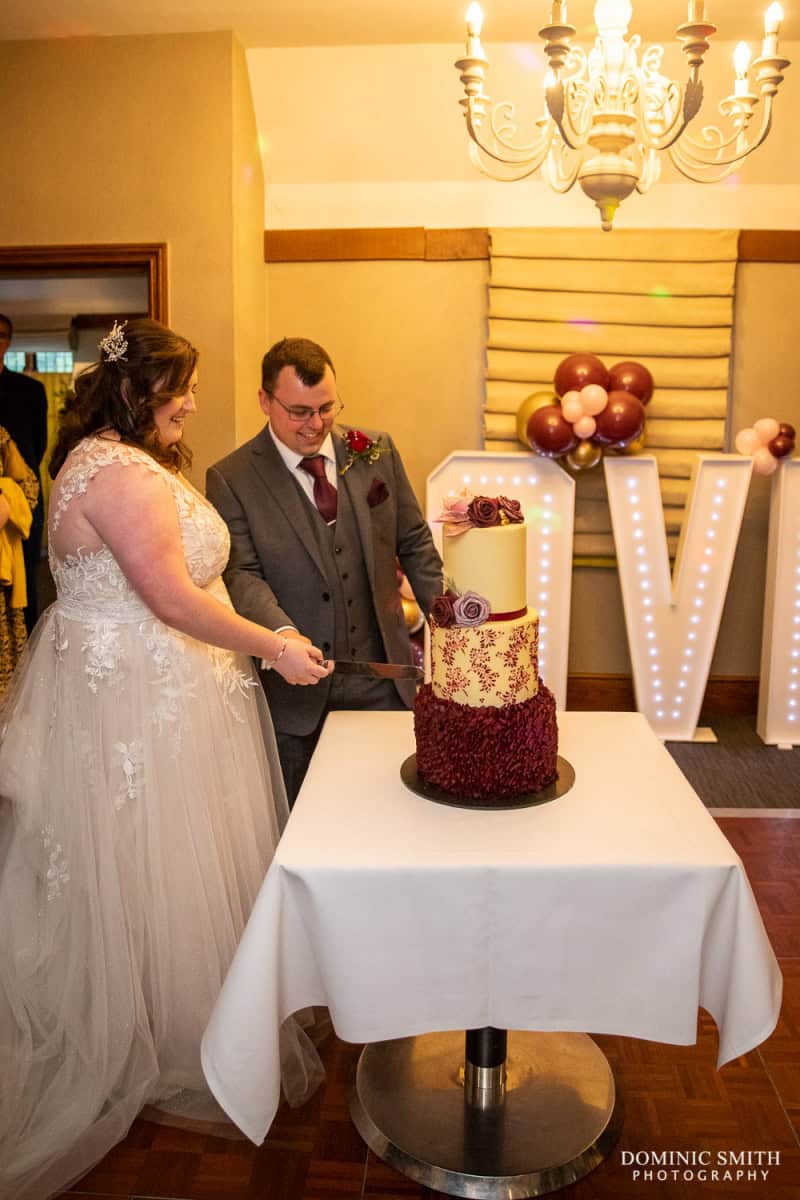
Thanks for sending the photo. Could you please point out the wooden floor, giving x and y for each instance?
(675, 1099)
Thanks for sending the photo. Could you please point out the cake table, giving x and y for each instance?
(618, 908)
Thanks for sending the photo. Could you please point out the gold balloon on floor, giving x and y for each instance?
(526, 410)
(584, 456)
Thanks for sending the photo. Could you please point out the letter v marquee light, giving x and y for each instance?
(673, 621)
(779, 687)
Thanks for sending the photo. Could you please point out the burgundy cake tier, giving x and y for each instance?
(488, 753)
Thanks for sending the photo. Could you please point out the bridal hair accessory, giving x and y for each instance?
(114, 344)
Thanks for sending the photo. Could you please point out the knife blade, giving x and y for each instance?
(378, 670)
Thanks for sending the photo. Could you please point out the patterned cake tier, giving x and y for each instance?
(493, 664)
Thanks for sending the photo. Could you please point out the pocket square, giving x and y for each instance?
(378, 492)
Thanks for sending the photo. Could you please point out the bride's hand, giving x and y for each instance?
(301, 663)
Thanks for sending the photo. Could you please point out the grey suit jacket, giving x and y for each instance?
(276, 575)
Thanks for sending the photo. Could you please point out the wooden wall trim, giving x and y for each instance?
(725, 695)
(769, 245)
(149, 256)
(453, 245)
(364, 245)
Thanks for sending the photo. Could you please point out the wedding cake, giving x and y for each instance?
(485, 725)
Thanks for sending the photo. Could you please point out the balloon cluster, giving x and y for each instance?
(593, 408)
(767, 441)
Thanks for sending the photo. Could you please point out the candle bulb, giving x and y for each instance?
(697, 11)
(741, 61)
(772, 23)
(558, 13)
(474, 20)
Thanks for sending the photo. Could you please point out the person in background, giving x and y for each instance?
(23, 412)
(141, 798)
(319, 516)
(19, 493)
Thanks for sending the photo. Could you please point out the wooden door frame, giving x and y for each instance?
(149, 256)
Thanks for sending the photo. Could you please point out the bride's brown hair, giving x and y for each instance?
(123, 394)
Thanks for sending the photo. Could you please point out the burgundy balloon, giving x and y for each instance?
(548, 432)
(621, 421)
(785, 430)
(781, 445)
(631, 377)
(576, 371)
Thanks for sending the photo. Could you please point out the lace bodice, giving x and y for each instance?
(90, 584)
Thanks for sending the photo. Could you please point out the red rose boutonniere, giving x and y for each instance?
(361, 448)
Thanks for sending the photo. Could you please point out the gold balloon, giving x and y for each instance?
(584, 456)
(412, 614)
(526, 410)
(636, 446)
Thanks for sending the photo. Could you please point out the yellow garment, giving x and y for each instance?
(16, 528)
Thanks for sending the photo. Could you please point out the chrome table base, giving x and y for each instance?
(543, 1119)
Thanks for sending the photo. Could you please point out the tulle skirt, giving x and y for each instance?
(140, 805)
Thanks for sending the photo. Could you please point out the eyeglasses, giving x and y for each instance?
(297, 413)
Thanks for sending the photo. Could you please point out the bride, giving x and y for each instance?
(140, 793)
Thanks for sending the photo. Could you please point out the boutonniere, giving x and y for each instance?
(361, 448)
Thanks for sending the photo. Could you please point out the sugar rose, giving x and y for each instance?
(484, 512)
(470, 609)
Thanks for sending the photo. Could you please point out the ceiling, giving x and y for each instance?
(358, 22)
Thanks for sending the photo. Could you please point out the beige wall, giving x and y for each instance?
(149, 139)
(407, 340)
(342, 149)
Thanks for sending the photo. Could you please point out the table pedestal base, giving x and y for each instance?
(556, 1120)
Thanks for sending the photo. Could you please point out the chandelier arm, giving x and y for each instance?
(705, 157)
(513, 172)
(572, 135)
(691, 98)
(531, 155)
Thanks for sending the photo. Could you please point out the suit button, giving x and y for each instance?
(352, 628)
(325, 596)
(349, 603)
(345, 575)
(326, 647)
(337, 549)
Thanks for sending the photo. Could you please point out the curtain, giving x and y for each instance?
(661, 297)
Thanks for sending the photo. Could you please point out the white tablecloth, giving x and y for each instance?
(618, 908)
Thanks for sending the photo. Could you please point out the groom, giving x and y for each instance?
(318, 515)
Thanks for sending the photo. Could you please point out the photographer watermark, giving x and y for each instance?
(700, 1166)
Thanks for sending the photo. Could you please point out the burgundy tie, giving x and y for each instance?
(324, 492)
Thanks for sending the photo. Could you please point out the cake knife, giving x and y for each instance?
(379, 670)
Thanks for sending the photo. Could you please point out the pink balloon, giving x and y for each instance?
(572, 407)
(767, 428)
(764, 463)
(594, 398)
(585, 427)
(747, 441)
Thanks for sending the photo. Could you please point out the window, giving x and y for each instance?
(15, 360)
(51, 361)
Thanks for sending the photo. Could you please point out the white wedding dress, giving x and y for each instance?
(140, 804)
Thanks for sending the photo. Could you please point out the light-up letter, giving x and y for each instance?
(547, 496)
(779, 686)
(685, 608)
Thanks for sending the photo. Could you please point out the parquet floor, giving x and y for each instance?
(675, 1099)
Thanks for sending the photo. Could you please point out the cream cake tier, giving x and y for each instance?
(490, 562)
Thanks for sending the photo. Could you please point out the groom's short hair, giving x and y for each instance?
(308, 359)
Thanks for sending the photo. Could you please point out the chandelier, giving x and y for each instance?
(610, 112)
